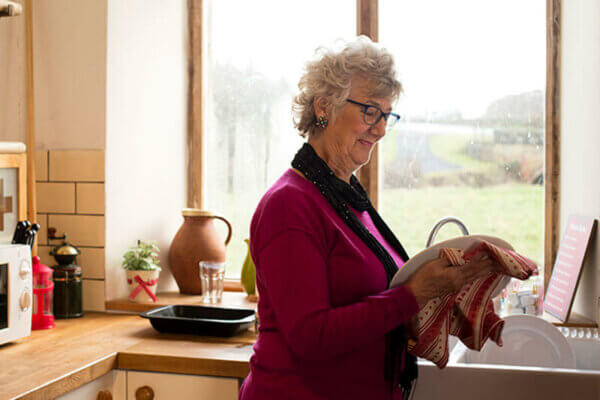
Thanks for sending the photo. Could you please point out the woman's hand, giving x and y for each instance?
(437, 277)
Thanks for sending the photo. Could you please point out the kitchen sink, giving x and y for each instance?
(585, 349)
(465, 381)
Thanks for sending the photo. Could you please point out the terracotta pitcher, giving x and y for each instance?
(197, 240)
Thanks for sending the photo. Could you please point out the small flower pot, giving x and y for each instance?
(142, 285)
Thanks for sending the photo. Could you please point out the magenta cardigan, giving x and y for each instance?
(324, 305)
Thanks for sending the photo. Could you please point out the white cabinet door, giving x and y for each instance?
(115, 382)
(182, 387)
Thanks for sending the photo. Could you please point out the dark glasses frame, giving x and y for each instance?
(384, 115)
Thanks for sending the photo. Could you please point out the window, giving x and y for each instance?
(472, 139)
(480, 100)
(255, 52)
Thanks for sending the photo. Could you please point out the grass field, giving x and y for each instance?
(451, 148)
(513, 212)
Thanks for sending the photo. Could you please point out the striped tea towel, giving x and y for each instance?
(469, 313)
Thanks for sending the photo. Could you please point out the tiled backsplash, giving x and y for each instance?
(70, 198)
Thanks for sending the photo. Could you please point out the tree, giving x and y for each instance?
(244, 99)
(521, 109)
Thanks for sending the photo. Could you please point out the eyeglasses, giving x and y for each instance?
(373, 114)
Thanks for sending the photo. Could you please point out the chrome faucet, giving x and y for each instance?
(438, 225)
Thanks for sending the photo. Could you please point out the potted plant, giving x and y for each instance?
(141, 265)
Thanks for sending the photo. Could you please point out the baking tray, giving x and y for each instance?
(200, 320)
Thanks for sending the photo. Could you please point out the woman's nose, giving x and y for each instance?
(379, 128)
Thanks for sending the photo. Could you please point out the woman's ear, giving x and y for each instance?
(320, 105)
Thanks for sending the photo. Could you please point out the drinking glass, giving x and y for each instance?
(212, 275)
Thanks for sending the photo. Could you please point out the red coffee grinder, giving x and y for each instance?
(43, 287)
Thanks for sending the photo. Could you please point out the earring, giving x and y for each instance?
(321, 122)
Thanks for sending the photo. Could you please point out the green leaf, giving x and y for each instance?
(143, 257)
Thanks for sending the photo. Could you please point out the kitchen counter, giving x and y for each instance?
(76, 351)
(52, 362)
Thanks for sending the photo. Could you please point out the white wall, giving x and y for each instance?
(13, 98)
(69, 39)
(146, 95)
(69, 72)
(580, 132)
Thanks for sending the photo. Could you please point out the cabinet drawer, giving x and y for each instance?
(182, 387)
(113, 382)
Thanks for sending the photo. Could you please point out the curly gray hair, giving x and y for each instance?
(330, 76)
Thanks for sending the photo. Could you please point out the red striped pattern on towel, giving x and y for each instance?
(468, 314)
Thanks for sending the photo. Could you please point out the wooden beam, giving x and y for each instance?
(367, 18)
(367, 24)
(31, 194)
(552, 167)
(195, 117)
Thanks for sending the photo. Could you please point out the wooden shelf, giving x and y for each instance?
(230, 299)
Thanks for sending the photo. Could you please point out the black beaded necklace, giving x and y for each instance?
(341, 195)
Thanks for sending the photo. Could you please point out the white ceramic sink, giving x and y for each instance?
(585, 349)
(587, 352)
(470, 381)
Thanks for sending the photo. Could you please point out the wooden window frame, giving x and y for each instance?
(195, 115)
(369, 174)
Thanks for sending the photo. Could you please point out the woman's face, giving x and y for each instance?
(349, 138)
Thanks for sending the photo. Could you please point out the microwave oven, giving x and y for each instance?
(16, 292)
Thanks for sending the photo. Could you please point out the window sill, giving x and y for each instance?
(233, 298)
(232, 285)
(230, 299)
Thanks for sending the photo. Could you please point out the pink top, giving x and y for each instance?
(324, 305)
(365, 218)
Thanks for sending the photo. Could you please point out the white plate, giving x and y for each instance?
(527, 341)
(432, 252)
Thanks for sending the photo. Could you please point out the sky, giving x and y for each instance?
(457, 55)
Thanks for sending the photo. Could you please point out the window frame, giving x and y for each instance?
(369, 175)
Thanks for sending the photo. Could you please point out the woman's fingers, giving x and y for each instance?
(474, 270)
(479, 267)
(440, 262)
(438, 277)
(483, 268)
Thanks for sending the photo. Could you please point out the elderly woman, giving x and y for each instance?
(330, 327)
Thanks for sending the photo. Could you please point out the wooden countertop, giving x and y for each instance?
(52, 362)
(76, 351)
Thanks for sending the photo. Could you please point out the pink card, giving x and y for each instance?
(567, 268)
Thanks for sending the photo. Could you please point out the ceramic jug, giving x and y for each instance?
(196, 240)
